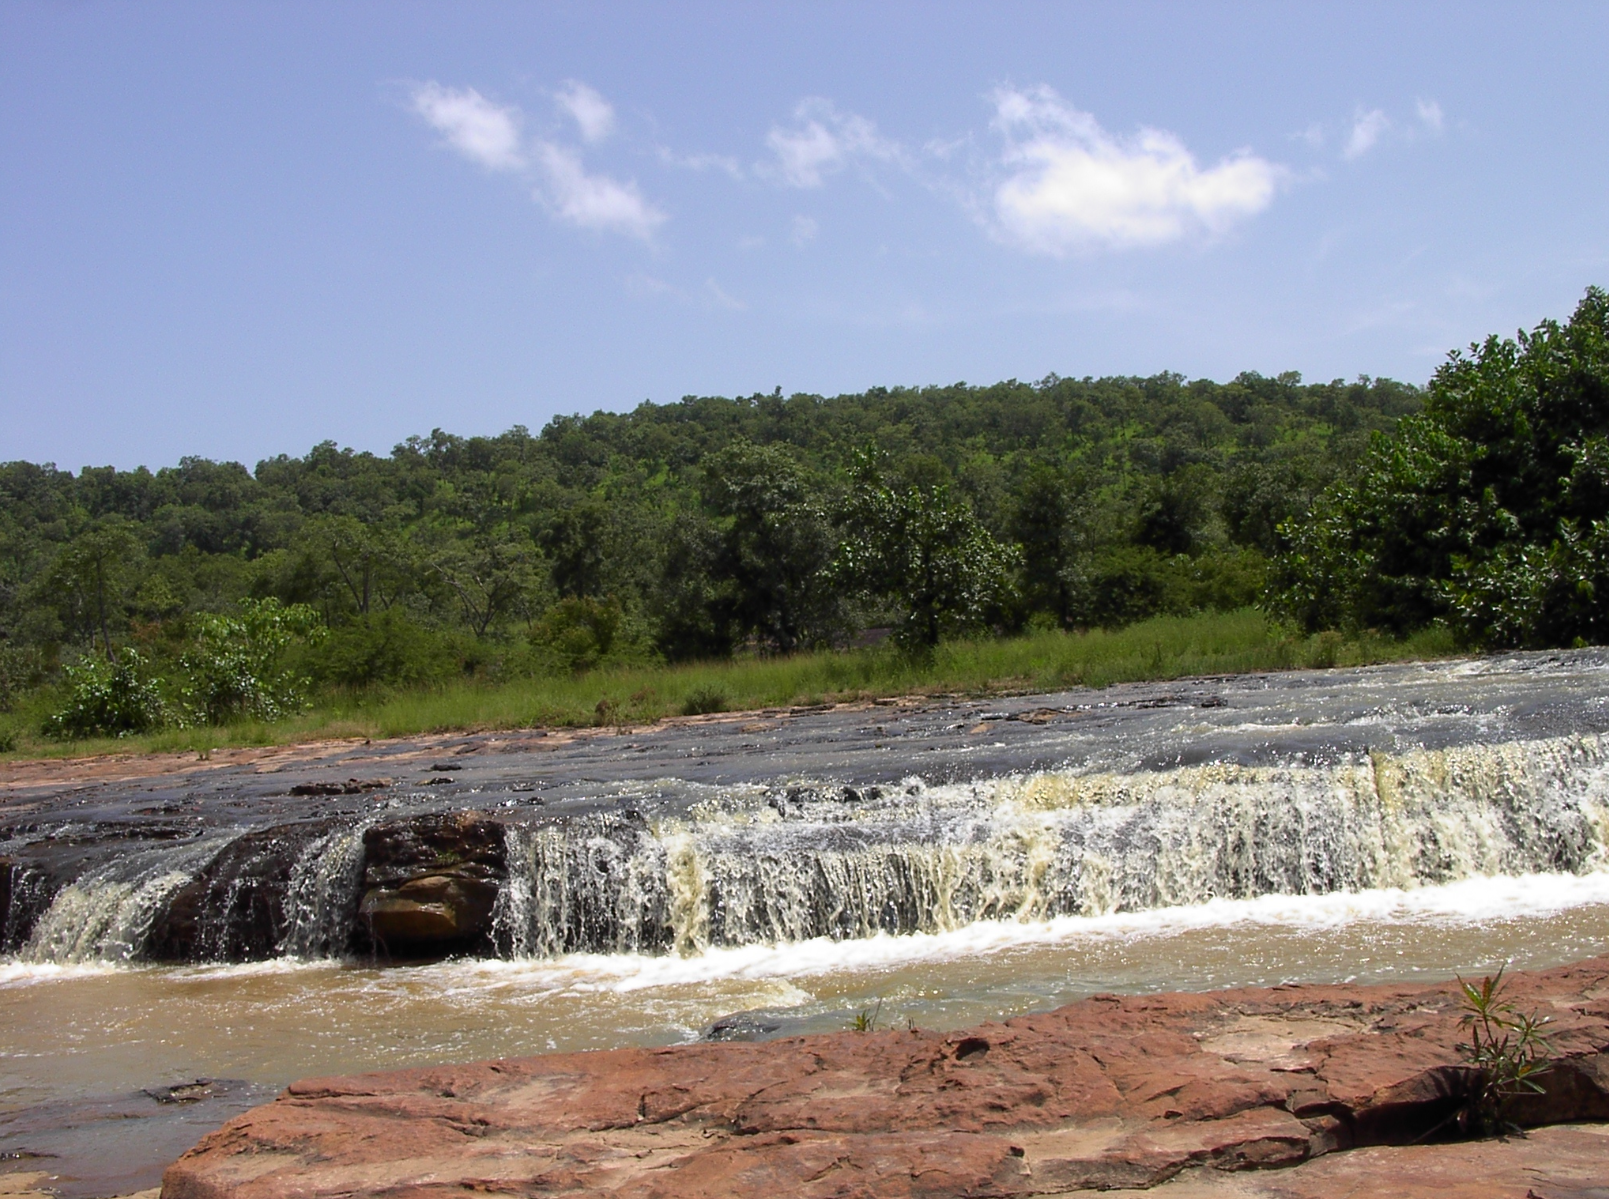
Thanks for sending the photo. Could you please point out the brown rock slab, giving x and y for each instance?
(1239, 1092)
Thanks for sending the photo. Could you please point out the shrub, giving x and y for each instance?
(703, 701)
(581, 634)
(381, 648)
(235, 667)
(108, 699)
(20, 669)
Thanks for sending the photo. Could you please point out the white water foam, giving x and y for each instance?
(1469, 901)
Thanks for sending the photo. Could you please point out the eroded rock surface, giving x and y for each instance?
(1185, 1092)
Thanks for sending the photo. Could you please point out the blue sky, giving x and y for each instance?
(237, 230)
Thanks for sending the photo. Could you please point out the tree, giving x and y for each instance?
(1044, 522)
(374, 565)
(776, 546)
(1489, 511)
(491, 576)
(92, 576)
(921, 550)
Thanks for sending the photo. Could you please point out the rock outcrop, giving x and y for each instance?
(1110, 1093)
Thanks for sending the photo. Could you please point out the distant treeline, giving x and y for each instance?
(694, 529)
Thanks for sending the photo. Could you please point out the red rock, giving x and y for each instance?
(1179, 1091)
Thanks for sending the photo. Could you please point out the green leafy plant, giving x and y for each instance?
(1508, 1051)
(866, 1019)
(234, 665)
(108, 699)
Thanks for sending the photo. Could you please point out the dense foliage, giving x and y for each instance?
(690, 530)
(1489, 510)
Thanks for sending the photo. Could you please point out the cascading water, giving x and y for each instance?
(846, 864)
(322, 894)
(107, 914)
(749, 864)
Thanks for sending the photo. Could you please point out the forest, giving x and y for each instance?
(766, 525)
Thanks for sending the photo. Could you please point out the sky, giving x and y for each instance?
(237, 230)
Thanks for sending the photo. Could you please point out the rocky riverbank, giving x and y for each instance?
(1289, 1091)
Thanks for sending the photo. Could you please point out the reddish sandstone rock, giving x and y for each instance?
(1108, 1093)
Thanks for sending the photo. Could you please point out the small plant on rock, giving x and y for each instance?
(866, 1019)
(1508, 1050)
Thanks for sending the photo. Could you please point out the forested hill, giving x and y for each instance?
(694, 528)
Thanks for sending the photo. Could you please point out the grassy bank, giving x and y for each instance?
(1165, 648)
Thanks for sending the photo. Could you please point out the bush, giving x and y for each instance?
(704, 701)
(235, 664)
(109, 699)
(580, 634)
(20, 669)
(381, 648)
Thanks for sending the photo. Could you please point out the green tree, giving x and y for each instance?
(1045, 523)
(1490, 510)
(92, 577)
(776, 546)
(375, 566)
(920, 550)
(236, 667)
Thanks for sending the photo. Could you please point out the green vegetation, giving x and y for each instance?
(722, 554)
(1508, 1052)
(1160, 648)
(1489, 511)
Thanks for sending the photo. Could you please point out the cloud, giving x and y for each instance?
(719, 297)
(1430, 115)
(489, 134)
(594, 115)
(823, 141)
(481, 131)
(700, 162)
(592, 201)
(804, 229)
(1070, 185)
(1367, 127)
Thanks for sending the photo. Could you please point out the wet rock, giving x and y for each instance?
(743, 1026)
(1178, 1093)
(429, 884)
(234, 910)
(437, 911)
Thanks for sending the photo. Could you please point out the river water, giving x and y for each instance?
(937, 866)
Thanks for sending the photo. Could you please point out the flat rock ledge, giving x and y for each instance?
(1289, 1091)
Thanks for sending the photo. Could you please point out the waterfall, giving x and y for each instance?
(107, 914)
(748, 865)
(843, 864)
(322, 894)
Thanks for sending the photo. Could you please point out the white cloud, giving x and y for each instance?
(700, 162)
(1313, 135)
(592, 201)
(1430, 115)
(1367, 127)
(719, 297)
(481, 131)
(804, 229)
(1070, 185)
(823, 141)
(594, 115)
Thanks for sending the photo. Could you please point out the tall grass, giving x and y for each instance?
(1164, 648)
